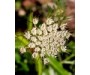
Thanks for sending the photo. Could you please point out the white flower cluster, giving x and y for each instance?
(48, 39)
(22, 50)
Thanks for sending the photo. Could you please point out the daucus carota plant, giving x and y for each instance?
(48, 39)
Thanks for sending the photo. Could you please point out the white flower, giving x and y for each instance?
(63, 26)
(51, 35)
(37, 49)
(55, 52)
(42, 54)
(58, 34)
(58, 45)
(38, 43)
(68, 35)
(62, 42)
(33, 31)
(45, 37)
(22, 50)
(49, 53)
(27, 35)
(34, 39)
(55, 26)
(51, 44)
(49, 28)
(31, 45)
(35, 21)
(34, 55)
(41, 45)
(51, 40)
(47, 47)
(56, 38)
(52, 48)
(63, 33)
(44, 43)
(55, 42)
(39, 32)
(54, 32)
(43, 49)
(46, 60)
(40, 38)
(43, 26)
(45, 32)
(63, 48)
(49, 21)
(58, 49)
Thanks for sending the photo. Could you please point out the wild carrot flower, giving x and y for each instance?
(47, 39)
(35, 21)
(22, 50)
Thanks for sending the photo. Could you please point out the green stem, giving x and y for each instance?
(68, 62)
(68, 58)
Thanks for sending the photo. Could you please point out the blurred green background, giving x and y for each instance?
(25, 10)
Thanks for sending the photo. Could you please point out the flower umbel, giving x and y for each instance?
(47, 39)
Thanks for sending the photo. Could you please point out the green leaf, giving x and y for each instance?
(39, 65)
(17, 58)
(20, 41)
(58, 66)
(17, 5)
(30, 21)
(28, 56)
(71, 45)
(46, 72)
(69, 57)
(60, 3)
(25, 67)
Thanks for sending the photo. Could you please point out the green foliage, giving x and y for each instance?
(18, 5)
(60, 3)
(38, 63)
(58, 66)
(71, 45)
(30, 21)
(20, 41)
(18, 60)
(17, 57)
